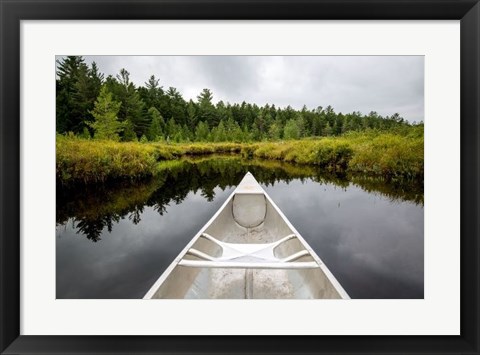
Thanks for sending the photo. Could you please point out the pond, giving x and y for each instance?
(115, 241)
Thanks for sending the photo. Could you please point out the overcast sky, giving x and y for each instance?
(386, 84)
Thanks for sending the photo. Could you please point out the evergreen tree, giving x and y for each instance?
(87, 89)
(246, 136)
(152, 93)
(202, 132)
(177, 106)
(300, 122)
(219, 133)
(267, 119)
(338, 127)
(187, 135)
(206, 109)
(330, 116)
(178, 136)
(70, 113)
(318, 124)
(78, 90)
(291, 130)
(106, 124)
(275, 130)
(255, 134)
(132, 108)
(260, 126)
(155, 131)
(236, 134)
(172, 128)
(191, 115)
(328, 130)
(233, 130)
(129, 134)
(369, 121)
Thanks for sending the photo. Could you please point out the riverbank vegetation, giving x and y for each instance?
(110, 129)
(388, 155)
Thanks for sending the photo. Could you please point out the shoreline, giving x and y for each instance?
(386, 155)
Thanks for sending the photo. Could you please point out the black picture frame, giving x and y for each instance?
(13, 11)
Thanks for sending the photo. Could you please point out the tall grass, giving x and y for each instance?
(388, 155)
(87, 161)
(378, 154)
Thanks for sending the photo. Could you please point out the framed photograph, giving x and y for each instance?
(239, 177)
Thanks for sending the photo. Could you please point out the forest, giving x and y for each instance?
(88, 105)
(110, 129)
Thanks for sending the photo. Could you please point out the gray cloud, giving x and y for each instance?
(386, 84)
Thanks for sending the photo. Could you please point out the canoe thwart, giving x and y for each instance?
(222, 244)
(296, 256)
(248, 265)
(200, 254)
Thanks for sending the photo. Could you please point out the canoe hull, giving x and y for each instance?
(237, 222)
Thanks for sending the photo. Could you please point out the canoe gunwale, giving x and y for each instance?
(182, 254)
(245, 265)
(323, 267)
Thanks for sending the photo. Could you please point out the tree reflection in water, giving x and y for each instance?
(92, 209)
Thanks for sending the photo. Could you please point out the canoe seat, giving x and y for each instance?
(256, 256)
(249, 210)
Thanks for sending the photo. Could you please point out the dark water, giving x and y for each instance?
(115, 241)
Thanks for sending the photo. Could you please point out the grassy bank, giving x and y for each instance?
(386, 154)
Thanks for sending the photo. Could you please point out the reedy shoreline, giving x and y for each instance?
(386, 155)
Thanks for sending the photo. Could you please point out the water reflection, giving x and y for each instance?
(368, 232)
(375, 245)
(93, 209)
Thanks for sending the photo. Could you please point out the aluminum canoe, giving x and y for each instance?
(247, 250)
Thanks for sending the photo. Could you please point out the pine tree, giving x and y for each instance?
(86, 90)
(68, 114)
(300, 121)
(187, 135)
(152, 93)
(327, 131)
(191, 115)
(132, 108)
(155, 131)
(177, 106)
(260, 127)
(233, 130)
(106, 124)
(172, 128)
(291, 130)
(78, 91)
(219, 133)
(246, 137)
(129, 134)
(207, 111)
(275, 130)
(317, 125)
(338, 127)
(202, 132)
